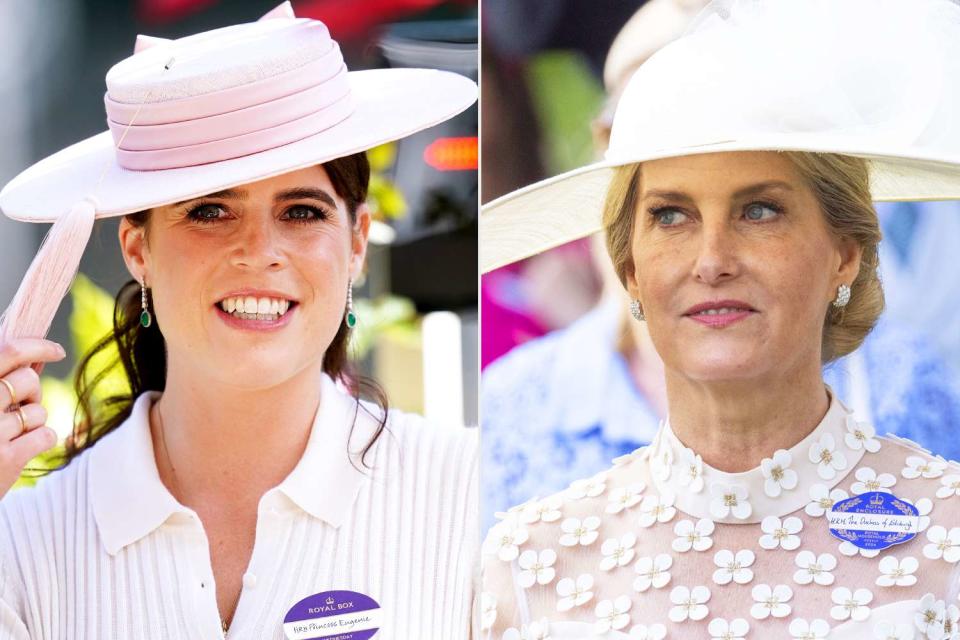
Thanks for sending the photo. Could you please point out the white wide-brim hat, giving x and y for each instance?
(877, 79)
(206, 112)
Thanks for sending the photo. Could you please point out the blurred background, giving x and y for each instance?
(570, 380)
(417, 305)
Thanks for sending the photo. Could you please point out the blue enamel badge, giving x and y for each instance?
(874, 520)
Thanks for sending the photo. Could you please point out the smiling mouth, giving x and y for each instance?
(256, 308)
(720, 311)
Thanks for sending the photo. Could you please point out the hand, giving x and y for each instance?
(23, 433)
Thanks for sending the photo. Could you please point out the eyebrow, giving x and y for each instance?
(297, 193)
(745, 192)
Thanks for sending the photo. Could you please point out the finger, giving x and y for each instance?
(22, 352)
(34, 442)
(34, 415)
(26, 388)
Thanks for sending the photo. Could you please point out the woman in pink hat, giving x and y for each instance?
(239, 482)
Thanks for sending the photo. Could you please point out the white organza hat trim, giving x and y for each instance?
(878, 79)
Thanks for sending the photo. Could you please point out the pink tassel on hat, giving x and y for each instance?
(50, 275)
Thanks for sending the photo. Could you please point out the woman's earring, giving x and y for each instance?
(843, 296)
(636, 310)
(350, 317)
(145, 318)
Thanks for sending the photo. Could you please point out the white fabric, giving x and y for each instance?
(661, 545)
(879, 84)
(101, 550)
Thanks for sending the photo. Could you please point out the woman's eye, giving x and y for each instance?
(760, 211)
(304, 213)
(206, 213)
(667, 217)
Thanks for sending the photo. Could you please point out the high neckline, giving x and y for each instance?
(780, 485)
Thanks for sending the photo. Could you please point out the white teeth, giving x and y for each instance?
(714, 312)
(251, 308)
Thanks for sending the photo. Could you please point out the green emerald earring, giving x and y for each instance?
(145, 318)
(350, 317)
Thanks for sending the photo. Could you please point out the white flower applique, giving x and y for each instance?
(822, 499)
(951, 621)
(917, 467)
(617, 553)
(924, 507)
(853, 605)
(612, 614)
(730, 499)
(828, 459)
(693, 536)
(574, 593)
(732, 567)
(886, 630)
(849, 549)
(505, 539)
(780, 534)
(816, 629)
(689, 603)
(537, 630)
(778, 474)
(814, 568)
(721, 629)
(662, 465)
(861, 435)
(625, 497)
(929, 617)
(691, 470)
(652, 572)
(546, 510)
(579, 532)
(897, 573)
(651, 632)
(943, 544)
(950, 486)
(587, 487)
(536, 568)
(488, 610)
(769, 601)
(868, 480)
(655, 509)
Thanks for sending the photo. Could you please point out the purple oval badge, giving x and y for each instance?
(333, 615)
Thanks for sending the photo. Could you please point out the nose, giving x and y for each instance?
(718, 251)
(258, 244)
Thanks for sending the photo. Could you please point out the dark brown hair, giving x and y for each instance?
(142, 351)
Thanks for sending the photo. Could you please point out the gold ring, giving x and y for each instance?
(23, 421)
(11, 390)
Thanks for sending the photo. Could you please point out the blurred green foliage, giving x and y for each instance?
(566, 98)
(386, 202)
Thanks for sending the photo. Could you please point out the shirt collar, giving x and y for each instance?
(130, 501)
(780, 485)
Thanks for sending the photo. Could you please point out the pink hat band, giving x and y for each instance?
(232, 122)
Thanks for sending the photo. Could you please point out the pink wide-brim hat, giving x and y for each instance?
(206, 112)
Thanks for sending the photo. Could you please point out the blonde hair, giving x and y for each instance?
(841, 185)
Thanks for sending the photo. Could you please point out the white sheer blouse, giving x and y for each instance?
(661, 545)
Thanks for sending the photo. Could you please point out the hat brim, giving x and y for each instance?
(389, 104)
(569, 206)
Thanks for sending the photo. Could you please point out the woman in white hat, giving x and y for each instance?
(240, 483)
(736, 197)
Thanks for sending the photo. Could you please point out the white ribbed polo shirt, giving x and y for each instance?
(102, 550)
